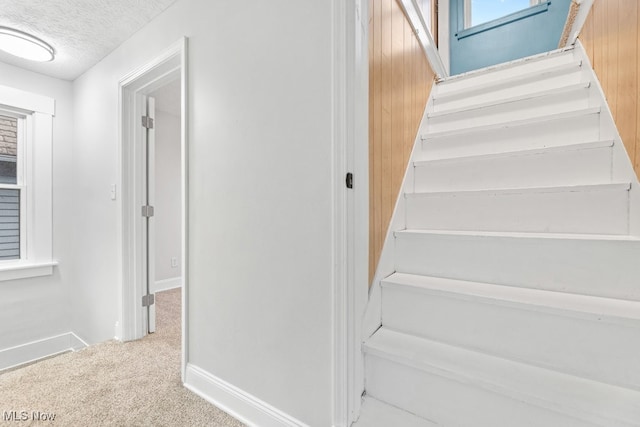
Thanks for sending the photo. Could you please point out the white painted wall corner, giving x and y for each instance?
(36, 350)
(167, 284)
(237, 403)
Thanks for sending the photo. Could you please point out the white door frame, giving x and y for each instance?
(351, 206)
(131, 88)
(443, 34)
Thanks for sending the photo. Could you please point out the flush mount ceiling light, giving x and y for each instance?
(24, 45)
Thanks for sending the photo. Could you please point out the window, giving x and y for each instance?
(478, 12)
(26, 121)
(10, 186)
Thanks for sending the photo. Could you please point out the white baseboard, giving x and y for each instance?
(166, 284)
(35, 350)
(237, 403)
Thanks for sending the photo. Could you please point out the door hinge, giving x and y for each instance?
(148, 300)
(349, 180)
(147, 211)
(147, 122)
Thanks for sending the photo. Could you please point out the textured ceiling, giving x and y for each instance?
(82, 32)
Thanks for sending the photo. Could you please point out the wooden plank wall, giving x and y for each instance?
(612, 40)
(400, 80)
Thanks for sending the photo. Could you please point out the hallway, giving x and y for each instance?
(133, 384)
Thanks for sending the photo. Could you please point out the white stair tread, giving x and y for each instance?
(510, 64)
(510, 124)
(525, 152)
(562, 68)
(375, 413)
(529, 190)
(492, 103)
(537, 386)
(602, 309)
(516, 235)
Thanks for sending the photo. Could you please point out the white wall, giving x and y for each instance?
(167, 196)
(260, 162)
(38, 308)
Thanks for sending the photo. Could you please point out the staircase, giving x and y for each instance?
(508, 291)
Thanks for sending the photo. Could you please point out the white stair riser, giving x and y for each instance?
(578, 344)
(604, 212)
(511, 111)
(453, 403)
(522, 88)
(525, 67)
(575, 130)
(564, 265)
(559, 168)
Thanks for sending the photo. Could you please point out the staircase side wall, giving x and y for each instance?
(400, 79)
(611, 38)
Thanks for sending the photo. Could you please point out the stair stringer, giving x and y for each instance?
(372, 319)
(623, 170)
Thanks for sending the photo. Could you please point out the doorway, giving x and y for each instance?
(153, 190)
(164, 193)
(490, 32)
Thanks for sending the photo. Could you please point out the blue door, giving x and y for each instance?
(489, 32)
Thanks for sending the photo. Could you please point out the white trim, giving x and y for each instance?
(131, 88)
(36, 350)
(184, 155)
(22, 270)
(578, 23)
(350, 206)
(35, 145)
(27, 101)
(167, 284)
(25, 139)
(237, 403)
(443, 34)
(339, 238)
(466, 13)
(413, 12)
(358, 227)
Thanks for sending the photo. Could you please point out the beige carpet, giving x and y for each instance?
(113, 384)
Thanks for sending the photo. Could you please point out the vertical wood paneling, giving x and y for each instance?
(627, 74)
(636, 157)
(397, 105)
(372, 114)
(612, 40)
(386, 142)
(612, 56)
(399, 83)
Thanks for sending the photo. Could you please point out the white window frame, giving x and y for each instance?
(23, 124)
(35, 128)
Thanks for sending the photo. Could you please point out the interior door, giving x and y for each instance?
(489, 32)
(148, 213)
